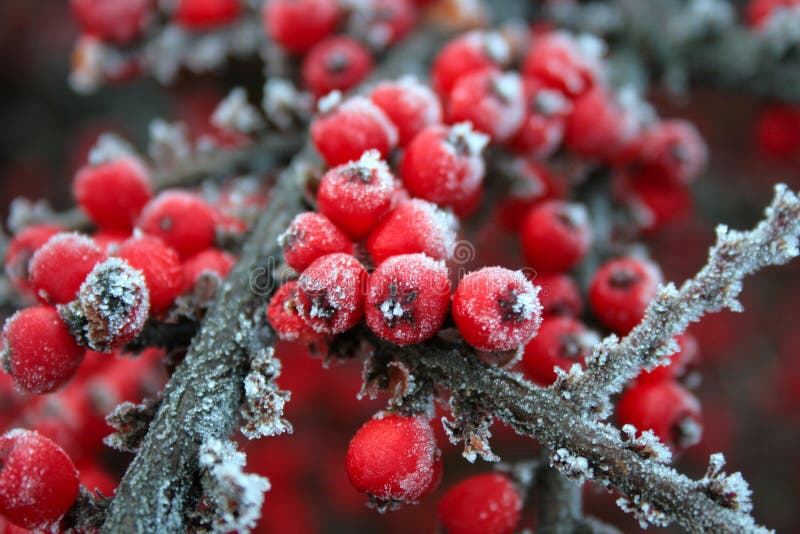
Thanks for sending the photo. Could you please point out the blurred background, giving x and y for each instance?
(750, 364)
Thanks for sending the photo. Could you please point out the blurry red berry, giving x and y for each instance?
(467, 53)
(21, 250)
(335, 63)
(672, 150)
(482, 504)
(310, 236)
(284, 317)
(687, 356)
(160, 265)
(385, 22)
(563, 62)
(210, 261)
(544, 121)
(555, 236)
(598, 127)
(206, 14)
(297, 25)
(410, 105)
(620, 291)
(114, 21)
(491, 100)
(778, 131)
(561, 342)
(183, 220)
(560, 296)
(60, 266)
(330, 296)
(759, 12)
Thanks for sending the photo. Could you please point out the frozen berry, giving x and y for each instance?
(297, 25)
(468, 53)
(330, 293)
(211, 262)
(206, 14)
(620, 291)
(357, 195)
(284, 317)
(183, 220)
(59, 267)
(407, 298)
(114, 21)
(38, 482)
(410, 105)
(160, 265)
(444, 165)
(496, 309)
(310, 236)
(415, 226)
(482, 504)
(542, 127)
(598, 127)
(563, 62)
(672, 150)
(491, 100)
(113, 193)
(687, 355)
(21, 250)
(394, 459)
(559, 296)
(38, 350)
(335, 63)
(352, 128)
(555, 236)
(666, 408)
(561, 342)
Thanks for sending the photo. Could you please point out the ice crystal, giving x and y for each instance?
(265, 402)
(235, 113)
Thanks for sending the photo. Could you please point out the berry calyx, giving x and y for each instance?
(561, 342)
(284, 316)
(330, 293)
(60, 266)
(309, 237)
(335, 63)
(183, 220)
(482, 504)
(496, 309)
(297, 25)
(620, 291)
(555, 236)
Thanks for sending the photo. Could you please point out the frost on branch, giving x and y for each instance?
(264, 401)
(232, 499)
(646, 513)
(234, 113)
(571, 465)
(731, 491)
(470, 426)
(130, 423)
(647, 445)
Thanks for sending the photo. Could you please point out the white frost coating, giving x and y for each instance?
(496, 47)
(571, 466)
(474, 141)
(647, 445)
(282, 100)
(642, 510)
(169, 143)
(360, 104)
(235, 495)
(109, 146)
(264, 401)
(551, 102)
(235, 113)
(329, 102)
(732, 491)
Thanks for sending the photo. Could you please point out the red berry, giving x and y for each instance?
(211, 261)
(410, 105)
(666, 408)
(415, 226)
(284, 317)
(357, 195)
(656, 202)
(206, 14)
(482, 504)
(330, 293)
(394, 459)
(687, 355)
(384, 22)
(111, 308)
(38, 350)
(114, 21)
(407, 298)
(563, 62)
(310, 236)
(20, 251)
(38, 482)
(297, 25)
(621, 290)
(444, 165)
(542, 127)
(184, 221)
(467, 53)
(160, 265)
(496, 309)
(491, 100)
(598, 127)
(559, 295)
(352, 128)
(555, 236)
(60, 266)
(335, 63)
(778, 131)
(532, 182)
(113, 193)
(672, 150)
(561, 342)
(759, 12)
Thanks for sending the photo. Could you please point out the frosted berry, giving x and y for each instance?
(394, 459)
(335, 63)
(59, 267)
(687, 356)
(559, 296)
(656, 202)
(491, 100)
(183, 220)
(410, 105)
(542, 127)
(672, 150)
(444, 165)
(666, 408)
(598, 127)
(555, 236)
(297, 25)
(468, 53)
(563, 62)
(330, 293)
(160, 265)
(384, 22)
(415, 226)
(620, 291)
(407, 298)
(496, 309)
(482, 504)
(561, 342)
(283, 315)
(38, 350)
(38, 482)
(310, 236)
(111, 308)
(352, 128)
(211, 262)
(113, 193)
(21, 250)
(206, 14)
(114, 21)
(357, 195)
